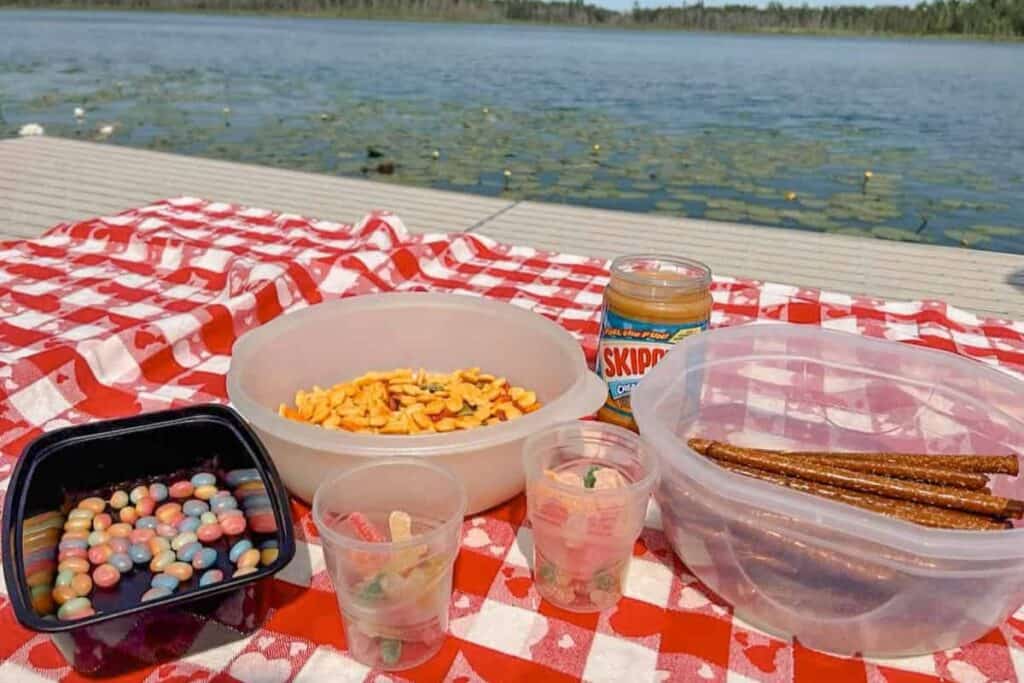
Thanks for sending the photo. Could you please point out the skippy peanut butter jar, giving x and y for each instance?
(651, 303)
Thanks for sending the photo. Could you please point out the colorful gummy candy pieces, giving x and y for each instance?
(392, 578)
(168, 530)
(250, 490)
(364, 528)
(400, 528)
(602, 589)
(40, 536)
(596, 477)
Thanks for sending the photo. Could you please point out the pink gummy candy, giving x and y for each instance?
(365, 529)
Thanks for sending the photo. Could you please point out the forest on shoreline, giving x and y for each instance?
(999, 19)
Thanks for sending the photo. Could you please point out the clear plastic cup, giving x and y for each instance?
(587, 488)
(393, 594)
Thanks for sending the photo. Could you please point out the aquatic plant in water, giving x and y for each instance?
(824, 179)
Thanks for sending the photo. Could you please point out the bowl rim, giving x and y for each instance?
(906, 537)
(422, 445)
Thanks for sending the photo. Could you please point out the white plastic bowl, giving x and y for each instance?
(340, 340)
(839, 578)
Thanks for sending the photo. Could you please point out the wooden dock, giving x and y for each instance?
(44, 181)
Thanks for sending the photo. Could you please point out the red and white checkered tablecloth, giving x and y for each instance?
(138, 312)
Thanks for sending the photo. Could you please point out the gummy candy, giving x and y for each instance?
(365, 529)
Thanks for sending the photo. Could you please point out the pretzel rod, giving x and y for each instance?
(928, 494)
(808, 563)
(974, 481)
(993, 464)
(926, 515)
(776, 553)
(757, 539)
(898, 470)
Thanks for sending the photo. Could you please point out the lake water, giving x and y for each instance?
(778, 131)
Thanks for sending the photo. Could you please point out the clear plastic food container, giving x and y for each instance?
(839, 578)
(339, 340)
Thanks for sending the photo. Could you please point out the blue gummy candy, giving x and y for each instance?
(164, 581)
(139, 552)
(147, 523)
(206, 557)
(238, 548)
(237, 477)
(122, 562)
(194, 508)
(189, 550)
(203, 479)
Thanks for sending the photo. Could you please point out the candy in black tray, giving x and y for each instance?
(123, 537)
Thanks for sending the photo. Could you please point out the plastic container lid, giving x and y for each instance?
(833, 391)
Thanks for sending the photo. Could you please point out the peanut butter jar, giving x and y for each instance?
(651, 303)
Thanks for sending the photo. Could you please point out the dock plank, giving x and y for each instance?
(83, 179)
(44, 181)
(979, 281)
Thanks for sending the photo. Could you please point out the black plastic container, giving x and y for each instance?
(94, 459)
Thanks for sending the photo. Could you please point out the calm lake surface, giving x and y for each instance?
(777, 131)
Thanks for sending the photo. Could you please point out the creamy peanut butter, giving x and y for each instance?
(651, 303)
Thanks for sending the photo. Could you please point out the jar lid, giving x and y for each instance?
(661, 276)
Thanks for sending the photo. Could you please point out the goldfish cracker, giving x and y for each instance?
(402, 402)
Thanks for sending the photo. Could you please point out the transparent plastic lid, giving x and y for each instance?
(798, 387)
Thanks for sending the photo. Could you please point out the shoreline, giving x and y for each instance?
(416, 19)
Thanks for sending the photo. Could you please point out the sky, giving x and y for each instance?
(626, 4)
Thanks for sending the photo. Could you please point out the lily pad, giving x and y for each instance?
(966, 238)
(723, 215)
(997, 230)
(899, 234)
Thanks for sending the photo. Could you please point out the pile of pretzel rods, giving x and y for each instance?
(940, 491)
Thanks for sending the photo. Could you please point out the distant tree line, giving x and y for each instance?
(993, 18)
(998, 18)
